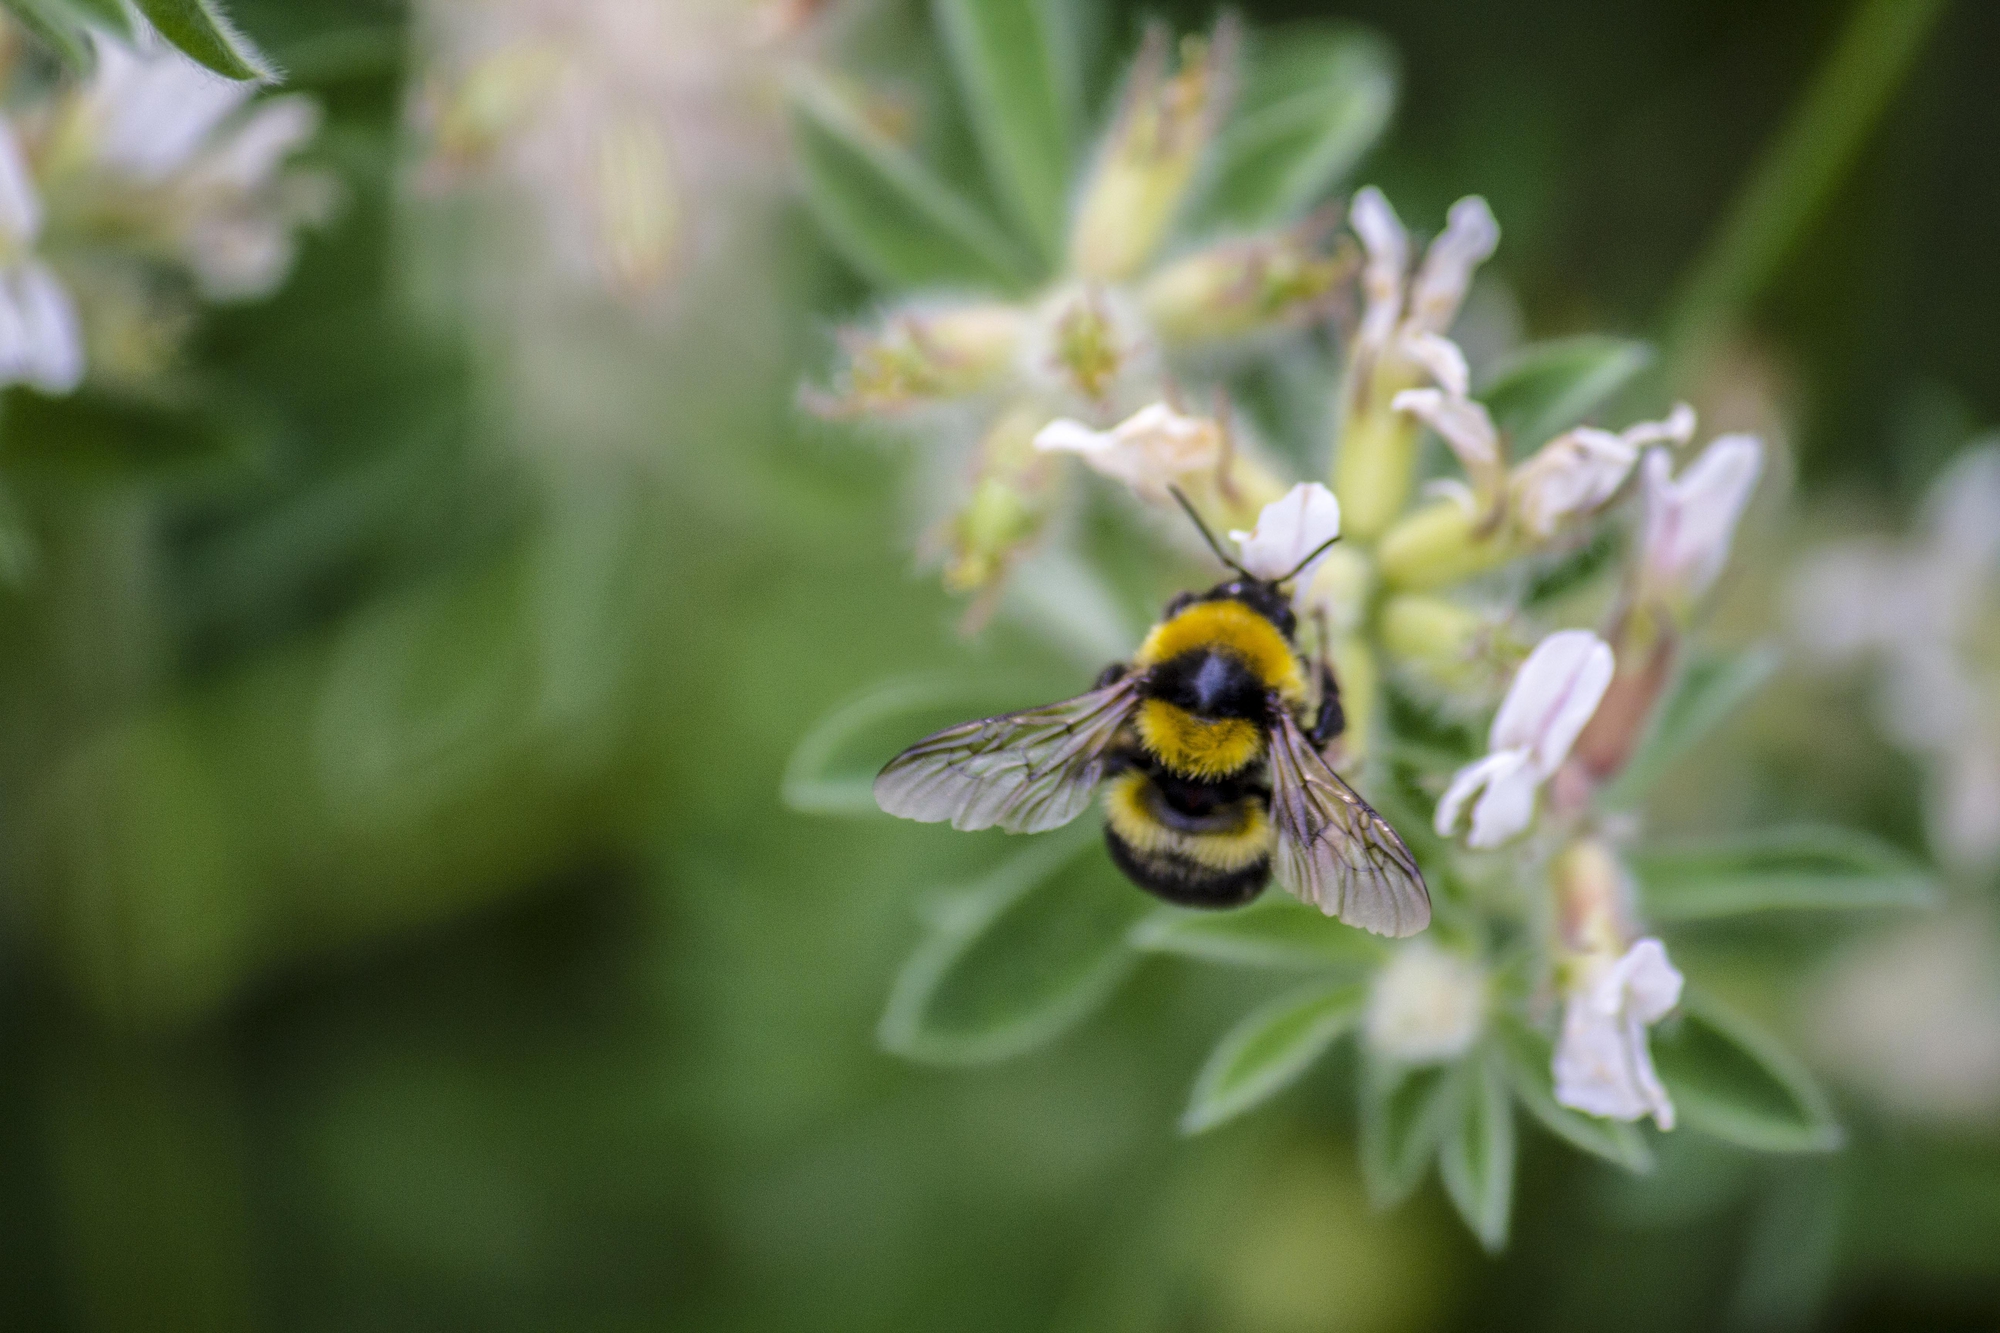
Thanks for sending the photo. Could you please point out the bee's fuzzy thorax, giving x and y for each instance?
(1228, 626)
(1196, 746)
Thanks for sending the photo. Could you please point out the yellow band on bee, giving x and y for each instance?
(1128, 808)
(1230, 627)
(1198, 747)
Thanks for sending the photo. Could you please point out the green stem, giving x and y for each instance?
(1798, 173)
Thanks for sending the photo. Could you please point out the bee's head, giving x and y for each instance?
(1264, 596)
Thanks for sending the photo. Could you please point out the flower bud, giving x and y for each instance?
(1441, 544)
(1438, 637)
(924, 356)
(1007, 507)
(1242, 287)
(1427, 1005)
(1164, 124)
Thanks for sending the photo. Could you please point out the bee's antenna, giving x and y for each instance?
(1208, 536)
(1308, 560)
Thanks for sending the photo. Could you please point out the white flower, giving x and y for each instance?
(41, 343)
(1691, 519)
(1427, 1005)
(1290, 528)
(1150, 450)
(1400, 314)
(1552, 697)
(1926, 611)
(1574, 473)
(1602, 1064)
(1465, 426)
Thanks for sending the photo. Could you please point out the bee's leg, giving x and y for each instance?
(1332, 718)
(1111, 675)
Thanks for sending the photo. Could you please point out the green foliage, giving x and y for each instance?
(1013, 961)
(1010, 59)
(1405, 1112)
(1704, 694)
(1269, 1050)
(1277, 931)
(203, 30)
(1539, 391)
(1804, 868)
(1732, 1081)
(1477, 1157)
(1314, 99)
(888, 214)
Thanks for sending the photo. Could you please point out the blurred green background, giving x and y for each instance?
(402, 927)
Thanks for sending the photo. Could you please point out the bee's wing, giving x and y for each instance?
(1025, 772)
(1333, 850)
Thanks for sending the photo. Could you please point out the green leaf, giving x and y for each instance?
(202, 29)
(1706, 692)
(1806, 868)
(1543, 389)
(57, 27)
(1730, 1080)
(1017, 959)
(1269, 1050)
(886, 212)
(1008, 55)
(1278, 931)
(1315, 98)
(110, 15)
(832, 770)
(1477, 1160)
(1404, 1110)
(1530, 1064)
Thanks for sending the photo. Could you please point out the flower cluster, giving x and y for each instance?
(151, 166)
(1553, 579)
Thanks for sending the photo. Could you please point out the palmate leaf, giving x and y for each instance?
(1269, 1050)
(1314, 99)
(887, 213)
(1477, 1155)
(1805, 868)
(1543, 389)
(1009, 56)
(1017, 959)
(1729, 1080)
(1529, 1057)
(1278, 931)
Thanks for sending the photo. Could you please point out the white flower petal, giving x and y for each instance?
(1678, 428)
(1469, 237)
(1388, 249)
(1461, 423)
(1427, 1005)
(54, 362)
(1691, 519)
(1472, 780)
(1507, 806)
(1289, 529)
(1602, 1062)
(1148, 451)
(1962, 509)
(1570, 476)
(152, 111)
(1552, 697)
(1442, 361)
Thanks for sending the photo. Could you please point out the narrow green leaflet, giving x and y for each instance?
(1477, 1157)
(887, 213)
(1729, 1080)
(1529, 1058)
(1017, 959)
(1543, 389)
(1705, 693)
(59, 26)
(1008, 55)
(1269, 1050)
(1279, 931)
(110, 15)
(1802, 868)
(1314, 99)
(832, 770)
(202, 29)
(1404, 1112)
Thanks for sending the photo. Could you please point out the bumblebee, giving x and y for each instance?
(1208, 747)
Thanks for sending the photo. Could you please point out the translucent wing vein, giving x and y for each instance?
(1023, 772)
(1333, 850)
